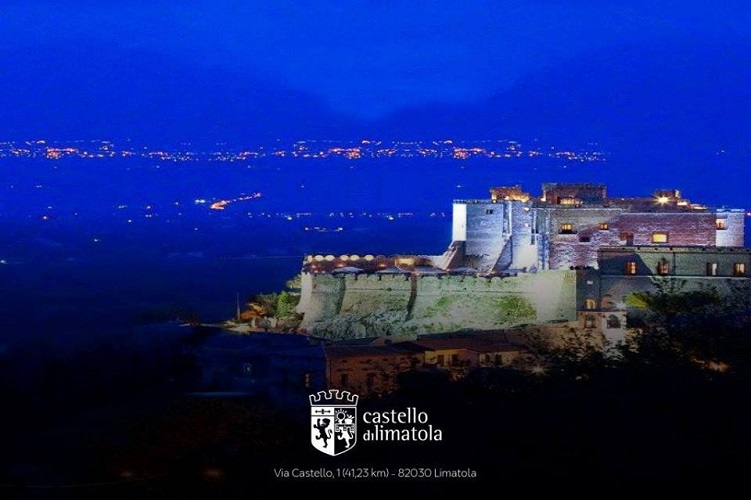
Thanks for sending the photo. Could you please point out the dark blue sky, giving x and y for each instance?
(369, 58)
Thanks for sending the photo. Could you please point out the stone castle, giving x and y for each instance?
(568, 256)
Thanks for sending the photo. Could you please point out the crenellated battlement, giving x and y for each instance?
(333, 397)
(357, 306)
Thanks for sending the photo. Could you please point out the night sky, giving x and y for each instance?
(353, 62)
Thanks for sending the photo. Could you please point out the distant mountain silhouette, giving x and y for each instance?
(106, 92)
(688, 95)
(671, 96)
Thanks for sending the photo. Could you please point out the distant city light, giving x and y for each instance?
(351, 150)
(222, 204)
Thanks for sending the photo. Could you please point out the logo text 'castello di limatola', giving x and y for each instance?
(334, 423)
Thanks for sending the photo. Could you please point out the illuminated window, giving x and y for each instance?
(630, 267)
(712, 268)
(567, 228)
(589, 321)
(489, 211)
(721, 224)
(739, 269)
(663, 268)
(604, 226)
(590, 304)
(659, 237)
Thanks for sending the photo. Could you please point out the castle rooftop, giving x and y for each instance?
(588, 195)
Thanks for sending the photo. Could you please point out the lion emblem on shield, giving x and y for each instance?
(333, 421)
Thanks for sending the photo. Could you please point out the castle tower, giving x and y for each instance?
(498, 234)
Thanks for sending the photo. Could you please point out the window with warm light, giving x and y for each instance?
(712, 268)
(567, 228)
(739, 269)
(663, 268)
(659, 237)
(604, 226)
(630, 267)
(590, 304)
(721, 224)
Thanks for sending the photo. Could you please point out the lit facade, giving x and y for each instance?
(567, 225)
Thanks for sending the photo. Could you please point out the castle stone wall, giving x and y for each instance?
(732, 235)
(683, 228)
(487, 228)
(682, 262)
(580, 247)
(392, 305)
(320, 296)
(368, 294)
(524, 239)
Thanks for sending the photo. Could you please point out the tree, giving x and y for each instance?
(285, 305)
(271, 305)
(578, 354)
(295, 283)
(688, 325)
(670, 301)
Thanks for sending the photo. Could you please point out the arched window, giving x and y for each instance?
(613, 321)
(590, 304)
